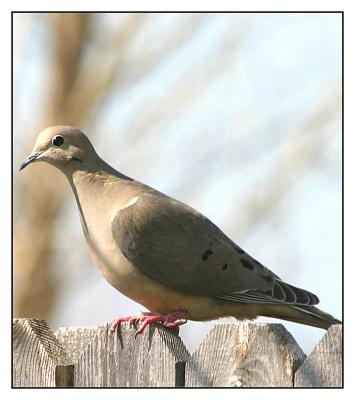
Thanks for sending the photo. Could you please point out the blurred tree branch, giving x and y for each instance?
(76, 88)
(41, 197)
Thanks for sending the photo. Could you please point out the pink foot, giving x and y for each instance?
(172, 320)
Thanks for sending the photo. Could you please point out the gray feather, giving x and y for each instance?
(180, 248)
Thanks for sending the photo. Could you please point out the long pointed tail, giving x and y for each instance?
(307, 315)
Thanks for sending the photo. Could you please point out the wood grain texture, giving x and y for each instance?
(155, 358)
(75, 339)
(245, 354)
(39, 360)
(323, 367)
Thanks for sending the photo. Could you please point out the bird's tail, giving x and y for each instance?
(307, 315)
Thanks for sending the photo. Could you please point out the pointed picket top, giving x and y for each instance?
(239, 354)
(106, 359)
(323, 367)
(245, 354)
(39, 360)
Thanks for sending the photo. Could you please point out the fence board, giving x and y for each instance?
(105, 359)
(323, 367)
(240, 355)
(75, 340)
(245, 354)
(38, 358)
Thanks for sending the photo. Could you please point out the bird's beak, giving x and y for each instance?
(32, 157)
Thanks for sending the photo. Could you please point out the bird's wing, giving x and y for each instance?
(180, 248)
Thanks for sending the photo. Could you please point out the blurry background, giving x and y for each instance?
(238, 115)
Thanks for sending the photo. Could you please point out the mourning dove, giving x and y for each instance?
(162, 253)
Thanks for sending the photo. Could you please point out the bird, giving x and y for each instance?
(162, 253)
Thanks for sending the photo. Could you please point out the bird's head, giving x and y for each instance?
(62, 146)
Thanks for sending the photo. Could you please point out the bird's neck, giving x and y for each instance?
(89, 185)
(94, 166)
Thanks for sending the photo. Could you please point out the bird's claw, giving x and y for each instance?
(170, 321)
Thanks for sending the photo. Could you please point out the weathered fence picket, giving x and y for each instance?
(245, 355)
(323, 367)
(239, 355)
(38, 358)
(120, 359)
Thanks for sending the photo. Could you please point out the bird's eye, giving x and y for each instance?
(58, 140)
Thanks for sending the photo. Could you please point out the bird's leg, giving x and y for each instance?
(172, 320)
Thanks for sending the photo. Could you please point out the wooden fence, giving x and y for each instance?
(239, 355)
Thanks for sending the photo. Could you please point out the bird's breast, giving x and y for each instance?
(113, 265)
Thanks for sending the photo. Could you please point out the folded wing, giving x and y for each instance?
(180, 248)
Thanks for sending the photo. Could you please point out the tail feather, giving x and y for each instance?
(307, 315)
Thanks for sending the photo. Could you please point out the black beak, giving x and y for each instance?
(32, 157)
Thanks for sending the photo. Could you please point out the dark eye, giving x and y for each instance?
(58, 140)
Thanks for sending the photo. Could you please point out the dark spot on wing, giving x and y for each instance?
(247, 264)
(206, 254)
(225, 266)
(238, 249)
